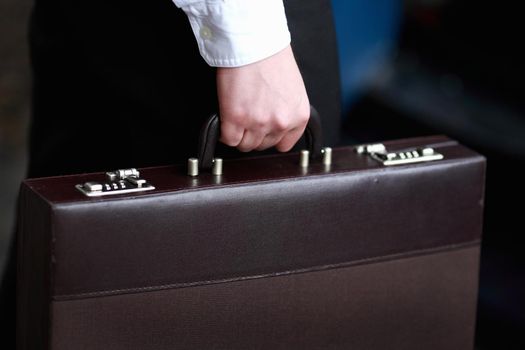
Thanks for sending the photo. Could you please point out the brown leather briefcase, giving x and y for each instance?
(369, 247)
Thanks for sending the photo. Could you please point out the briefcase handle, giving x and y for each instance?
(211, 130)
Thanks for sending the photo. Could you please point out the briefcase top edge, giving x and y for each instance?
(170, 178)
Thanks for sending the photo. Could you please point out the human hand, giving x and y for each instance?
(263, 104)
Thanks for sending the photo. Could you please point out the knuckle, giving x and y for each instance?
(304, 117)
(236, 116)
(259, 121)
(230, 137)
(282, 124)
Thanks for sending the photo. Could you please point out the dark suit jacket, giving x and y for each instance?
(121, 84)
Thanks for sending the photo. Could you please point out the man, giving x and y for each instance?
(120, 84)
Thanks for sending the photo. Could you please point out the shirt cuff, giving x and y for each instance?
(233, 33)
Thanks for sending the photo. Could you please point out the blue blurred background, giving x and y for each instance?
(367, 35)
(408, 68)
(452, 67)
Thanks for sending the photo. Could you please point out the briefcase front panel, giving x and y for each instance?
(423, 301)
(268, 255)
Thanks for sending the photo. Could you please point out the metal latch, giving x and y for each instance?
(378, 152)
(117, 182)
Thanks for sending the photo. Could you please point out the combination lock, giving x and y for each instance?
(379, 153)
(117, 182)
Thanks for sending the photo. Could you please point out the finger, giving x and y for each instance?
(270, 140)
(289, 140)
(231, 134)
(250, 141)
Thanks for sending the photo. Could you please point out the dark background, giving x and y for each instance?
(459, 69)
(451, 67)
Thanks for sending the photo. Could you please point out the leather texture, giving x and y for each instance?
(315, 242)
(33, 271)
(421, 302)
(210, 134)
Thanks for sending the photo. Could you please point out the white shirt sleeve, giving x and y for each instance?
(233, 33)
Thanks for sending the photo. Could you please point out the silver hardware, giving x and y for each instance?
(117, 182)
(193, 167)
(137, 182)
(327, 155)
(372, 148)
(305, 158)
(93, 186)
(217, 166)
(121, 174)
(378, 152)
(428, 151)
